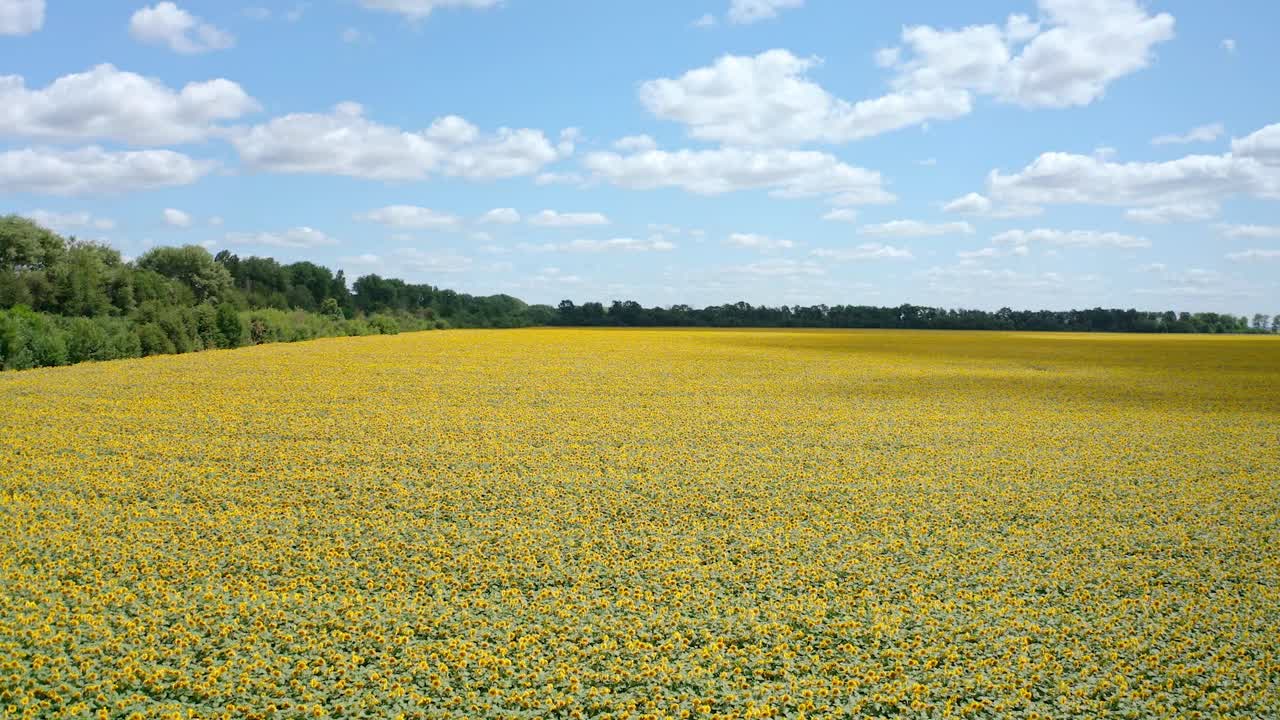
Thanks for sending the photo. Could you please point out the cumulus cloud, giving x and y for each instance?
(915, 229)
(551, 218)
(345, 142)
(767, 100)
(745, 12)
(299, 237)
(420, 9)
(757, 242)
(841, 215)
(784, 173)
(1201, 134)
(979, 205)
(169, 25)
(501, 216)
(1180, 212)
(1070, 238)
(865, 251)
(1263, 145)
(93, 170)
(412, 217)
(21, 17)
(176, 218)
(111, 104)
(1066, 58)
(68, 222)
(1251, 168)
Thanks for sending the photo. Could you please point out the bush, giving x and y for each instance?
(88, 340)
(153, 340)
(231, 329)
(384, 324)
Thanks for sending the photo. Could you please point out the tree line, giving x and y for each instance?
(916, 317)
(64, 300)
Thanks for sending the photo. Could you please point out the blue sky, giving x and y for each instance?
(1050, 153)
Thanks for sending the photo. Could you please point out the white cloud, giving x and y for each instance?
(767, 100)
(1251, 255)
(1229, 44)
(784, 173)
(69, 222)
(412, 217)
(654, 243)
(1180, 212)
(1252, 167)
(344, 142)
(299, 237)
(21, 17)
(745, 12)
(501, 216)
(1252, 232)
(981, 206)
(915, 229)
(928, 162)
(971, 204)
(757, 242)
(420, 9)
(636, 143)
(1070, 238)
(176, 218)
(1067, 59)
(108, 103)
(167, 24)
(215, 221)
(1263, 145)
(551, 218)
(841, 215)
(865, 251)
(92, 170)
(1201, 134)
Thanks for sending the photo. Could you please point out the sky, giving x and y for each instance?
(1030, 154)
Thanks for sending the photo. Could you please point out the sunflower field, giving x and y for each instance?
(647, 524)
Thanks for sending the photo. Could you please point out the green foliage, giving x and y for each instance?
(231, 329)
(191, 265)
(87, 339)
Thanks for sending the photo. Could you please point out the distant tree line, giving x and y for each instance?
(632, 314)
(64, 300)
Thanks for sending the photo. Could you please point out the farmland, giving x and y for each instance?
(647, 523)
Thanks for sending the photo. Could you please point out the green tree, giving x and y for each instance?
(192, 266)
(231, 328)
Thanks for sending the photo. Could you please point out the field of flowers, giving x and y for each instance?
(647, 524)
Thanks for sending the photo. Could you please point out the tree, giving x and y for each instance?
(330, 309)
(230, 327)
(193, 266)
(24, 245)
